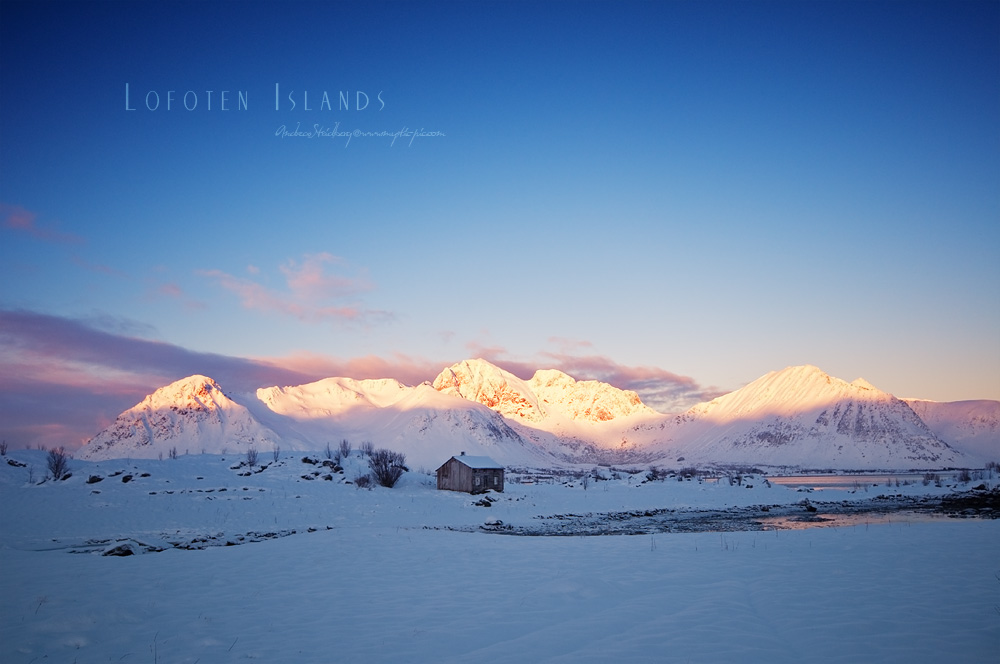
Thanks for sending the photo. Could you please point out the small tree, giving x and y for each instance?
(3, 448)
(58, 463)
(276, 453)
(387, 466)
(251, 457)
(345, 448)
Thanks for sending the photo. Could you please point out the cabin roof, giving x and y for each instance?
(477, 462)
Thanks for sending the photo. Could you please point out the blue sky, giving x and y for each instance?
(676, 197)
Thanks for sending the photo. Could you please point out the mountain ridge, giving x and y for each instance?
(798, 416)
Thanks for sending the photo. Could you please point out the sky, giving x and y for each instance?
(674, 197)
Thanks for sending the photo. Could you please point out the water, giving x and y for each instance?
(821, 520)
(852, 482)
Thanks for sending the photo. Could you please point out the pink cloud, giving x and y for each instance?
(170, 290)
(404, 368)
(174, 292)
(19, 219)
(311, 292)
(309, 281)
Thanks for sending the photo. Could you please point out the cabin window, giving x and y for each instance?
(496, 480)
(478, 480)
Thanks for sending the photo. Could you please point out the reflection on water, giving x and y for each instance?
(818, 520)
(853, 482)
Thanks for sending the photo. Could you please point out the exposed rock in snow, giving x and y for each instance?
(482, 382)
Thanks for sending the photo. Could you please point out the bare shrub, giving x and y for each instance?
(276, 453)
(689, 472)
(251, 457)
(367, 448)
(964, 475)
(363, 481)
(3, 448)
(328, 452)
(57, 462)
(345, 448)
(387, 466)
(173, 452)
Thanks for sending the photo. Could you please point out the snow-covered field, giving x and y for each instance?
(407, 575)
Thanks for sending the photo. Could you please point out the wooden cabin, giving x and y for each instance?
(471, 474)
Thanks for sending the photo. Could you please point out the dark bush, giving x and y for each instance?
(656, 474)
(387, 466)
(58, 463)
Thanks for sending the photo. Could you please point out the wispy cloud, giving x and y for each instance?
(172, 291)
(99, 268)
(312, 292)
(21, 220)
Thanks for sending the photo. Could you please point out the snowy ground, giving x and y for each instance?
(384, 575)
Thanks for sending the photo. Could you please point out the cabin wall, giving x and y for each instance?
(456, 476)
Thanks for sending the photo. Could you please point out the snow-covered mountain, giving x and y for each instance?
(585, 400)
(970, 426)
(800, 416)
(502, 391)
(549, 392)
(194, 415)
(425, 424)
(191, 415)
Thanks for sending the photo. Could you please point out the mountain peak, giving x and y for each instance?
(483, 382)
(192, 413)
(863, 384)
(589, 400)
